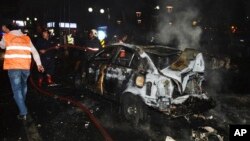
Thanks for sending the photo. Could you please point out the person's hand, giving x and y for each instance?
(40, 68)
(42, 51)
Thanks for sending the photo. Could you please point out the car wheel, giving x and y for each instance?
(213, 138)
(133, 108)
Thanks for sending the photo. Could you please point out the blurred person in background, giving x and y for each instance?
(93, 43)
(6, 28)
(46, 47)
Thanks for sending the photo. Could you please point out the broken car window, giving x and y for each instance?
(106, 54)
(124, 57)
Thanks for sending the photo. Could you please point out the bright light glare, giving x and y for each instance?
(67, 25)
(139, 21)
(157, 7)
(73, 25)
(169, 8)
(20, 23)
(90, 9)
(138, 14)
(194, 23)
(118, 21)
(102, 11)
(101, 35)
(51, 24)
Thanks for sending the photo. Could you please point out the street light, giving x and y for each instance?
(194, 23)
(102, 11)
(27, 18)
(233, 29)
(139, 21)
(90, 9)
(157, 7)
(35, 19)
(169, 8)
(138, 14)
(118, 21)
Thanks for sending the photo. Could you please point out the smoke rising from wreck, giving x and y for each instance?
(177, 26)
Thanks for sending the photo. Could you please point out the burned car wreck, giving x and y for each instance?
(138, 77)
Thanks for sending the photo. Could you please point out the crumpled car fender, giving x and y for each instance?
(155, 88)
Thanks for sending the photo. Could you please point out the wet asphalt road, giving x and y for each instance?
(53, 120)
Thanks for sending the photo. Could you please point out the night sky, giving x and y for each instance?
(211, 11)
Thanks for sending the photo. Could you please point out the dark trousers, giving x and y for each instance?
(49, 66)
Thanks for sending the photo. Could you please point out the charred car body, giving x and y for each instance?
(167, 79)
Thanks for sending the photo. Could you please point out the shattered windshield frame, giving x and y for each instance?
(162, 57)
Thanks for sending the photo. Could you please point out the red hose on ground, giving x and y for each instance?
(92, 118)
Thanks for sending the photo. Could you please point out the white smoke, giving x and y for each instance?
(178, 25)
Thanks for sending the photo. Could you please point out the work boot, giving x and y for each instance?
(22, 117)
(40, 82)
(50, 82)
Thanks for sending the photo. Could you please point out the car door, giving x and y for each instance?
(119, 72)
(97, 68)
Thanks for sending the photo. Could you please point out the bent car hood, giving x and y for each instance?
(171, 73)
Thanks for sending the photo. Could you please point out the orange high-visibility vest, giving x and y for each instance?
(18, 52)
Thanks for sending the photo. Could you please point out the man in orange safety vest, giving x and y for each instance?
(17, 61)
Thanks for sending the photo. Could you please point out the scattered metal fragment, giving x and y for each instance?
(86, 125)
(206, 133)
(168, 138)
(97, 109)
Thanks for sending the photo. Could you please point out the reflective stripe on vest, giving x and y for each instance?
(18, 52)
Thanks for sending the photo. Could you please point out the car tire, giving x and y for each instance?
(133, 109)
(213, 138)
